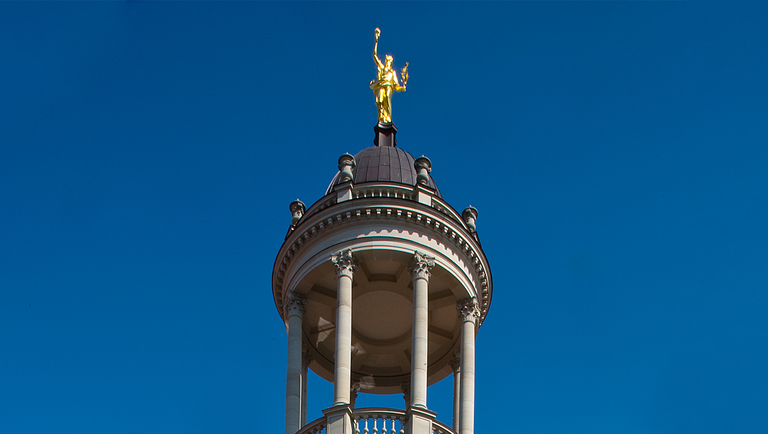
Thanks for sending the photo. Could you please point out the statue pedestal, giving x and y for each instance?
(385, 135)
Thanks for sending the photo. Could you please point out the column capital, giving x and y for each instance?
(294, 304)
(406, 388)
(345, 263)
(353, 394)
(468, 310)
(421, 266)
(455, 362)
(306, 358)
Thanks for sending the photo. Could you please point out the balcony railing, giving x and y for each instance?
(374, 421)
(368, 421)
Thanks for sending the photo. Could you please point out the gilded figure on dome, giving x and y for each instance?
(386, 82)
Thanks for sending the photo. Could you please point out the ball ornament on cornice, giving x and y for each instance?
(470, 216)
(297, 211)
(423, 168)
(346, 164)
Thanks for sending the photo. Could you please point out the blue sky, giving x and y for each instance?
(616, 152)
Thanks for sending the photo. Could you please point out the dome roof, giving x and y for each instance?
(384, 164)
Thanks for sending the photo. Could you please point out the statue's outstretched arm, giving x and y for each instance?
(404, 76)
(376, 59)
(398, 88)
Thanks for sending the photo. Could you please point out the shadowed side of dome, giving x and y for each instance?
(384, 164)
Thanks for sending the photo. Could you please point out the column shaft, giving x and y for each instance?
(345, 267)
(419, 343)
(343, 367)
(456, 397)
(420, 269)
(467, 388)
(306, 359)
(293, 382)
(469, 313)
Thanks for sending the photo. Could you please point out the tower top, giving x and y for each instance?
(381, 285)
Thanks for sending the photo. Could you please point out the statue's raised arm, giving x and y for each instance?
(376, 59)
(386, 82)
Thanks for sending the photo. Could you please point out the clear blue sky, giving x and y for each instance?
(616, 152)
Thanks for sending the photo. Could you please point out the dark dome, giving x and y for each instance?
(384, 164)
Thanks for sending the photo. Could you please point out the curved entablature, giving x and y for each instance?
(386, 190)
(400, 209)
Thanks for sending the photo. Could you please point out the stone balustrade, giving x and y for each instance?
(441, 428)
(379, 421)
(374, 421)
(315, 427)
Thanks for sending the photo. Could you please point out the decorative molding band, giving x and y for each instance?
(468, 309)
(386, 191)
(421, 265)
(294, 304)
(345, 263)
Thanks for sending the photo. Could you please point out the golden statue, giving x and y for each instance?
(386, 83)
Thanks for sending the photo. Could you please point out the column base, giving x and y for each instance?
(418, 420)
(339, 419)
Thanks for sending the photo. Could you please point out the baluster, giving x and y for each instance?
(402, 425)
(375, 424)
(356, 421)
(393, 425)
(365, 429)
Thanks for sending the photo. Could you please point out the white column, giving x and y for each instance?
(306, 360)
(456, 367)
(420, 267)
(294, 310)
(345, 268)
(469, 313)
